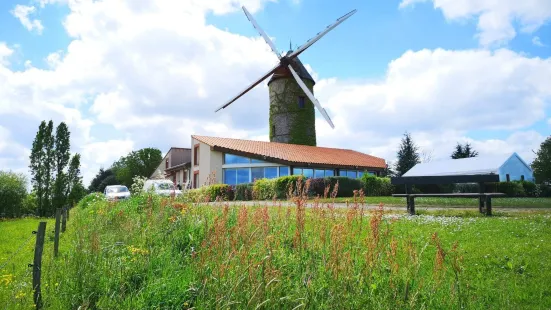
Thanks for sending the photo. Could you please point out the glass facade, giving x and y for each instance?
(230, 176)
(313, 173)
(231, 159)
(240, 175)
(270, 172)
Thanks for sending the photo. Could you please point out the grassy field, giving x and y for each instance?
(150, 252)
(16, 252)
(453, 202)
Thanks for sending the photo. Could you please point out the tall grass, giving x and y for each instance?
(152, 252)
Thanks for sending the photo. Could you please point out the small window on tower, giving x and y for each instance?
(301, 102)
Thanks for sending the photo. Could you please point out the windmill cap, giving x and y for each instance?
(283, 72)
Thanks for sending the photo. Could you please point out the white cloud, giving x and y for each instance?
(5, 52)
(496, 19)
(22, 13)
(537, 41)
(150, 74)
(435, 95)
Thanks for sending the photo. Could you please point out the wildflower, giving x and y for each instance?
(20, 295)
(134, 250)
(172, 219)
(7, 279)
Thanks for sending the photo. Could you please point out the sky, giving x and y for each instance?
(127, 74)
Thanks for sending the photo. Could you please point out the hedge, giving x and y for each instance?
(243, 192)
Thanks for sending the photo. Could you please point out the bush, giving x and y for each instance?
(511, 189)
(13, 190)
(243, 192)
(283, 184)
(218, 191)
(90, 199)
(530, 188)
(264, 189)
(376, 186)
(29, 205)
(347, 186)
(317, 187)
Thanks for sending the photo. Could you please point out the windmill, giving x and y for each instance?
(292, 117)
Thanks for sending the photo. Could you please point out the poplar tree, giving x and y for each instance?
(49, 167)
(37, 168)
(61, 156)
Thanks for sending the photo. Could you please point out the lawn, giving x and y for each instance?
(149, 252)
(521, 202)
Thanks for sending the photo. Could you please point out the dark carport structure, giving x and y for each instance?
(485, 199)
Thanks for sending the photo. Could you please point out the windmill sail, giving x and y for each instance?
(262, 33)
(321, 34)
(311, 96)
(248, 88)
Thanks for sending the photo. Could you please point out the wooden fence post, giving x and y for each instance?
(56, 235)
(37, 263)
(481, 190)
(63, 219)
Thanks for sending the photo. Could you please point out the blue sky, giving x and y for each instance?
(148, 78)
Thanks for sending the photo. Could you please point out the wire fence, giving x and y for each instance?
(20, 276)
(19, 249)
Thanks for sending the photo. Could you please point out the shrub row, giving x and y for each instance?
(279, 188)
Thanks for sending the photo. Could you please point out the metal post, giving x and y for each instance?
(37, 264)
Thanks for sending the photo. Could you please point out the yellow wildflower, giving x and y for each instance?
(20, 295)
(134, 250)
(7, 279)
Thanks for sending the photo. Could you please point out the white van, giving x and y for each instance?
(161, 187)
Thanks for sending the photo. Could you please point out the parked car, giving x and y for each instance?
(161, 187)
(118, 192)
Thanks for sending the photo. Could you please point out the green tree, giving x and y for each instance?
(138, 163)
(37, 168)
(13, 189)
(62, 155)
(463, 151)
(98, 179)
(542, 163)
(74, 190)
(408, 155)
(49, 168)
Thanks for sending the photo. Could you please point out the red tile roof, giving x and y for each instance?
(294, 153)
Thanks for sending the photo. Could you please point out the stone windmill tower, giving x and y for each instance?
(292, 114)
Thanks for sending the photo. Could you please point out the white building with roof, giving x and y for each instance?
(509, 167)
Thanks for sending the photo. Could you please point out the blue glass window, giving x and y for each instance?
(319, 173)
(351, 174)
(257, 161)
(329, 173)
(257, 173)
(235, 159)
(371, 173)
(308, 173)
(342, 173)
(297, 171)
(229, 176)
(270, 172)
(243, 175)
(283, 171)
(360, 173)
(301, 100)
